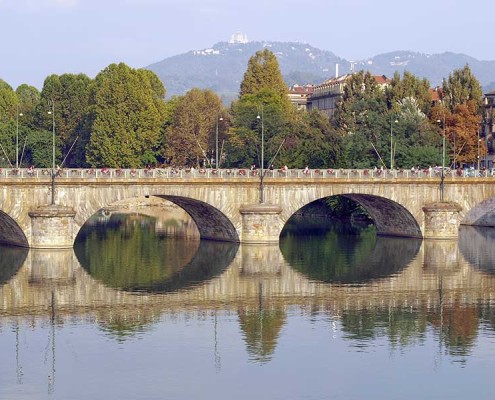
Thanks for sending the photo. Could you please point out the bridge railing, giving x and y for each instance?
(239, 173)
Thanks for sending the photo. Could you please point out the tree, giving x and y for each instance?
(263, 80)
(461, 87)
(191, 135)
(127, 118)
(409, 88)
(68, 96)
(263, 94)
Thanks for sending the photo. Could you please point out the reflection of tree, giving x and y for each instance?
(458, 327)
(11, 260)
(129, 255)
(122, 327)
(336, 257)
(403, 327)
(261, 329)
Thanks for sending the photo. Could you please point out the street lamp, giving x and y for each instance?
(216, 143)
(392, 144)
(52, 113)
(17, 138)
(262, 173)
(443, 157)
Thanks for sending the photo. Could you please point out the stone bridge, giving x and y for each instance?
(226, 204)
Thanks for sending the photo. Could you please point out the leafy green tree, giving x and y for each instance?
(308, 140)
(409, 88)
(127, 118)
(29, 99)
(461, 87)
(68, 96)
(263, 78)
(191, 136)
(263, 107)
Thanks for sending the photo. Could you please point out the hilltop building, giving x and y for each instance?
(238, 38)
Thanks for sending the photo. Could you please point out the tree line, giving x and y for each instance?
(120, 119)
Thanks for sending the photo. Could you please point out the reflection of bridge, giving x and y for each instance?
(226, 207)
(437, 274)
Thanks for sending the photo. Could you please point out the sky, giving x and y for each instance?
(43, 37)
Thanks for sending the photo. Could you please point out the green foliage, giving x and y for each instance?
(263, 73)
(461, 87)
(39, 149)
(191, 136)
(127, 118)
(409, 87)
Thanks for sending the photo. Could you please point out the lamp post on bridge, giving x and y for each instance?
(19, 114)
(216, 143)
(54, 172)
(262, 172)
(443, 157)
(392, 142)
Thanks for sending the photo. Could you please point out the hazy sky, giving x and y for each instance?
(41, 37)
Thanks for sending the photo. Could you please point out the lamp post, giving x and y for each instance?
(442, 176)
(17, 138)
(216, 143)
(52, 113)
(392, 143)
(262, 173)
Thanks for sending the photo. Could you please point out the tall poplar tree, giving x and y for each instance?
(461, 87)
(263, 94)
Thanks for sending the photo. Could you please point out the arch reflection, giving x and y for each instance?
(137, 259)
(339, 257)
(476, 245)
(11, 259)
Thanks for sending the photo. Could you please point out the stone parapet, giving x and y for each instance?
(442, 220)
(52, 227)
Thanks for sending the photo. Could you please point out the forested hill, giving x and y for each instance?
(222, 66)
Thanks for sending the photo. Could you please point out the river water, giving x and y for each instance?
(331, 312)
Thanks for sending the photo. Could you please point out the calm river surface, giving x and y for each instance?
(132, 313)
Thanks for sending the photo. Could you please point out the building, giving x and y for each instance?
(488, 128)
(299, 96)
(238, 38)
(326, 95)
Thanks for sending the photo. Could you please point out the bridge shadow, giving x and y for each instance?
(10, 232)
(128, 255)
(476, 246)
(11, 260)
(211, 223)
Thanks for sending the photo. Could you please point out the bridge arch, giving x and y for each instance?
(390, 217)
(10, 231)
(211, 222)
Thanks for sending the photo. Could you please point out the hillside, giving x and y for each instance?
(221, 67)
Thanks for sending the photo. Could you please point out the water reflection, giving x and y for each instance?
(311, 305)
(476, 244)
(11, 259)
(355, 256)
(129, 254)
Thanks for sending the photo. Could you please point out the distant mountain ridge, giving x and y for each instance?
(221, 67)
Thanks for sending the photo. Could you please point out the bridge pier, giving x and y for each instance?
(260, 223)
(442, 220)
(52, 227)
